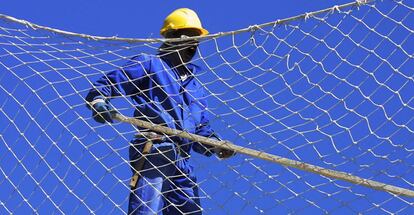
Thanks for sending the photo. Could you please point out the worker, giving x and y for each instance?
(164, 91)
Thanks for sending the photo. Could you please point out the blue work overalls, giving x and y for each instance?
(167, 183)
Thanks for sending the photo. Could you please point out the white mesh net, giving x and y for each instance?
(333, 88)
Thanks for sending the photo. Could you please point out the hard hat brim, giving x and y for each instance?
(203, 32)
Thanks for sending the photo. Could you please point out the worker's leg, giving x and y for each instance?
(147, 198)
(182, 197)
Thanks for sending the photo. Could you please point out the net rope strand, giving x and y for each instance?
(220, 34)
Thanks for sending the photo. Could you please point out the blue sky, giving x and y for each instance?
(282, 111)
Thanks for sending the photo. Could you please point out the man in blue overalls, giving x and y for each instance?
(163, 91)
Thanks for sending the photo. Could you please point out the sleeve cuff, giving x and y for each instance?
(90, 104)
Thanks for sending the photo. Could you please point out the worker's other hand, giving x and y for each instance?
(101, 112)
(224, 153)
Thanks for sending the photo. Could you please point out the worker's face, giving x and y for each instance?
(185, 49)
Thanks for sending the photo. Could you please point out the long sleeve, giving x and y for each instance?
(205, 130)
(120, 82)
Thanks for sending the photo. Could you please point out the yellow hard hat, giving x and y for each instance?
(182, 18)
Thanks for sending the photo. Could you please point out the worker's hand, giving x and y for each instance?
(101, 112)
(224, 153)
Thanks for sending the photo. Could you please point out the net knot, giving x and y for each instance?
(335, 9)
(307, 16)
(254, 28)
(361, 2)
